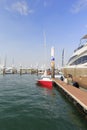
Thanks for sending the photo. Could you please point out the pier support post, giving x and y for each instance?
(52, 69)
(4, 71)
(20, 70)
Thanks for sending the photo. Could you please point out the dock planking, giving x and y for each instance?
(76, 95)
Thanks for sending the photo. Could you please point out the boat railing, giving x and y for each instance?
(78, 48)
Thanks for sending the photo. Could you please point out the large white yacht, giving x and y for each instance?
(77, 64)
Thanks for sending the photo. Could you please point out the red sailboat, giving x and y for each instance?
(45, 80)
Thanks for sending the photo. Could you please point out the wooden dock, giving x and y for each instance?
(77, 96)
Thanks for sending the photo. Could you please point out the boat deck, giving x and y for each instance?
(77, 96)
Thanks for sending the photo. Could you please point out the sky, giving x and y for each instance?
(23, 24)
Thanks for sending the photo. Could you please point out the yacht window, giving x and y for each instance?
(72, 58)
(81, 60)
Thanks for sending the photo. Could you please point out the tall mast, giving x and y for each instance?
(45, 50)
(63, 58)
(5, 61)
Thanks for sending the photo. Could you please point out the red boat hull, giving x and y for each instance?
(47, 84)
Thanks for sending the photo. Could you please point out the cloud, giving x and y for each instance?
(79, 6)
(45, 3)
(86, 26)
(20, 7)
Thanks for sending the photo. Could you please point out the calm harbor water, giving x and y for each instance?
(26, 106)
